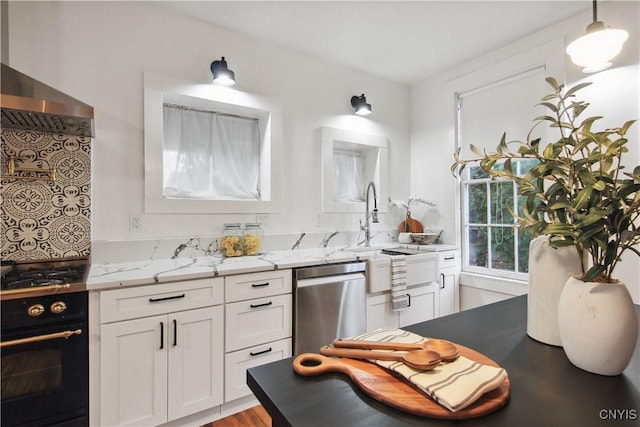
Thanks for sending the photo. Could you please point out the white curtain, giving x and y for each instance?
(348, 175)
(210, 155)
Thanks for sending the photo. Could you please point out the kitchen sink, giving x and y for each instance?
(372, 248)
(401, 251)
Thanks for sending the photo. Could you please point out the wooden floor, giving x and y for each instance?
(252, 417)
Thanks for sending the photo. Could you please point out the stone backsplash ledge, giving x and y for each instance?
(104, 252)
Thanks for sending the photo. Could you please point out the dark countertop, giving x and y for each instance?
(546, 389)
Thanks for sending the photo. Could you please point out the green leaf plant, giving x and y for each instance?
(577, 193)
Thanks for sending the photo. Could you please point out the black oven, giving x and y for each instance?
(44, 357)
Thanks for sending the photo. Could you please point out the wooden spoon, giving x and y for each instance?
(423, 360)
(448, 351)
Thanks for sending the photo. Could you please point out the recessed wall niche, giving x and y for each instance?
(369, 153)
(158, 90)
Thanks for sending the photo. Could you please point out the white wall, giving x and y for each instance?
(98, 51)
(614, 94)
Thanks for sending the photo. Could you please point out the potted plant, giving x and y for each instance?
(579, 195)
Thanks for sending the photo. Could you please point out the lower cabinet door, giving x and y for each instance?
(237, 363)
(379, 313)
(447, 293)
(424, 305)
(133, 366)
(195, 367)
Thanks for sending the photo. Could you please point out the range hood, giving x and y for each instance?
(28, 104)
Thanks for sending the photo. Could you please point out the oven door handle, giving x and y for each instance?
(42, 290)
(46, 337)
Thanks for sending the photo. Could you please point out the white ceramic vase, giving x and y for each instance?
(598, 326)
(549, 270)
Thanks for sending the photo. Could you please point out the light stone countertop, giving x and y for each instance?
(149, 272)
(135, 273)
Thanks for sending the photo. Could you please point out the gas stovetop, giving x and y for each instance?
(26, 278)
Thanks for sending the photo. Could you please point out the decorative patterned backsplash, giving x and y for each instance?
(43, 219)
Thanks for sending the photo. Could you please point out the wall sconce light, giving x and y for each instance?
(221, 74)
(595, 50)
(360, 106)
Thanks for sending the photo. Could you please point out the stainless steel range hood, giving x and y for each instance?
(28, 104)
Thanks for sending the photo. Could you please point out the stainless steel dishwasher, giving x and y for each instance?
(329, 302)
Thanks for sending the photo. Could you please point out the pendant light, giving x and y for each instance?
(222, 75)
(360, 106)
(595, 50)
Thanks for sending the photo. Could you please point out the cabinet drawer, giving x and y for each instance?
(421, 270)
(143, 301)
(449, 259)
(237, 363)
(250, 323)
(257, 285)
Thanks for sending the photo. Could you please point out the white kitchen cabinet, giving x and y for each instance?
(422, 289)
(449, 281)
(258, 325)
(165, 366)
(195, 363)
(432, 280)
(134, 373)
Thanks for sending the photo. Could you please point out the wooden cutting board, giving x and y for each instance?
(398, 393)
(410, 225)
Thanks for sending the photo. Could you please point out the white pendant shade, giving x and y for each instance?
(595, 50)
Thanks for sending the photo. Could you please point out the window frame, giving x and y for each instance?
(465, 183)
(548, 53)
(158, 90)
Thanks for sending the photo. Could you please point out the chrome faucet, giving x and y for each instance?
(373, 215)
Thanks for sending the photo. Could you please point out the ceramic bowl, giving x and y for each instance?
(404, 237)
(425, 238)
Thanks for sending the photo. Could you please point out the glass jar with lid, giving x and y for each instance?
(253, 235)
(232, 242)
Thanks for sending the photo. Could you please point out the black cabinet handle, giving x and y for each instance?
(409, 296)
(259, 285)
(166, 298)
(175, 332)
(442, 284)
(449, 258)
(260, 352)
(161, 335)
(261, 305)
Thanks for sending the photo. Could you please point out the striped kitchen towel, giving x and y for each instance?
(399, 295)
(454, 385)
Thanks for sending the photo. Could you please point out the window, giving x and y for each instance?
(494, 243)
(210, 149)
(210, 155)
